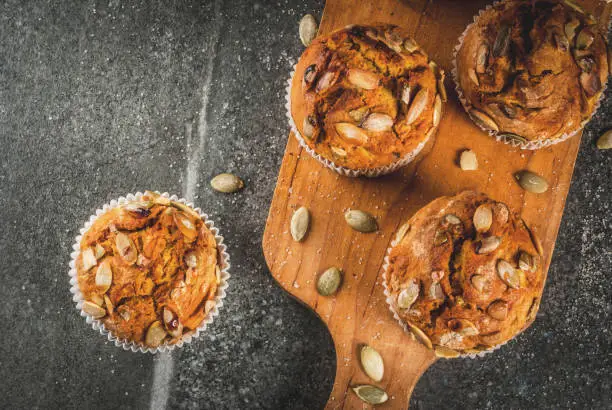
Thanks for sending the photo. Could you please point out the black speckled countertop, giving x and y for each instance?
(102, 98)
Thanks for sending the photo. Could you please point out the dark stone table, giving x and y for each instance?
(102, 98)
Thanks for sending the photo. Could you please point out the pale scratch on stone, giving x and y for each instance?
(163, 368)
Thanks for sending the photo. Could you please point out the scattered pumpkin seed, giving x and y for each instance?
(531, 182)
(536, 241)
(526, 262)
(99, 251)
(473, 76)
(227, 183)
(437, 112)
(410, 45)
(468, 160)
(89, 259)
(126, 247)
(421, 336)
(584, 39)
(452, 219)
(498, 309)
(570, 28)
(446, 353)
(371, 394)
(361, 221)
(300, 222)
(308, 29)
(605, 141)
(442, 88)
(93, 310)
(508, 274)
(408, 296)
(489, 244)
(351, 132)
(483, 120)
(417, 106)
(378, 122)
(479, 282)
(363, 79)
(463, 326)
(483, 218)
(326, 81)
(104, 276)
(329, 281)
(500, 47)
(372, 363)
(401, 232)
(155, 334)
(513, 138)
(109, 305)
(308, 128)
(482, 55)
(440, 237)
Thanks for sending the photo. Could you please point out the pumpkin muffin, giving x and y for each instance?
(532, 72)
(364, 98)
(149, 270)
(464, 274)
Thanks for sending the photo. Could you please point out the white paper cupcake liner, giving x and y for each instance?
(396, 316)
(367, 172)
(529, 145)
(99, 326)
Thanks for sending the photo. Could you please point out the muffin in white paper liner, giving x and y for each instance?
(367, 172)
(499, 136)
(224, 265)
(399, 320)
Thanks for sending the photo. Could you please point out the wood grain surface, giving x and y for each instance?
(358, 313)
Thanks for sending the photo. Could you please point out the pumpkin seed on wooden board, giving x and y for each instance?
(227, 183)
(329, 281)
(300, 222)
(531, 182)
(468, 160)
(605, 141)
(372, 363)
(371, 394)
(361, 221)
(308, 29)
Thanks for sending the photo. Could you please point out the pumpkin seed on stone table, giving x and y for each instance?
(605, 141)
(308, 29)
(227, 183)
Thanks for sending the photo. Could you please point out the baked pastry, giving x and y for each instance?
(465, 274)
(532, 71)
(149, 270)
(363, 97)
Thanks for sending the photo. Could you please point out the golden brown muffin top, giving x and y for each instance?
(364, 97)
(149, 270)
(466, 275)
(535, 69)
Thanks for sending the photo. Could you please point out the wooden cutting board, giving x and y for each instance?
(358, 314)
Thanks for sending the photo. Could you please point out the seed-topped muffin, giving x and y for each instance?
(465, 274)
(532, 71)
(149, 270)
(364, 98)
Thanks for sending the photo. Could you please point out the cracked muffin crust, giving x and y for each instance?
(532, 71)
(149, 270)
(465, 274)
(366, 97)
